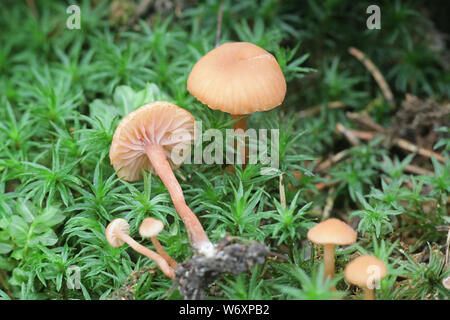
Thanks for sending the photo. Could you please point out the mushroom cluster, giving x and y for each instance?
(156, 137)
(364, 271)
(238, 78)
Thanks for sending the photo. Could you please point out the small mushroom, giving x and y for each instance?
(118, 233)
(446, 282)
(330, 233)
(239, 78)
(150, 228)
(151, 138)
(365, 271)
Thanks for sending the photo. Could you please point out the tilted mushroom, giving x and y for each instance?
(239, 78)
(330, 233)
(118, 233)
(147, 138)
(150, 228)
(365, 271)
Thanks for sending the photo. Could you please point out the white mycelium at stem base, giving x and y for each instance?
(147, 139)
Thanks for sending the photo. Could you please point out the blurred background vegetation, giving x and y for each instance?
(62, 93)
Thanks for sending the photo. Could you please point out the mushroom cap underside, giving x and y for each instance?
(113, 231)
(159, 123)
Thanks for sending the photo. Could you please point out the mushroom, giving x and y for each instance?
(365, 271)
(150, 228)
(239, 78)
(329, 233)
(150, 138)
(446, 282)
(118, 232)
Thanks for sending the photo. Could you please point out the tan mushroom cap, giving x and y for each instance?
(363, 269)
(150, 227)
(332, 231)
(113, 231)
(446, 282)
(238, 78)
(160, 123)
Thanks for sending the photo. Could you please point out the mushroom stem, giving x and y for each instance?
(241, 124)
(160, 261)
(197, 235)
(369, 294)
(159, 248)
(328, 260)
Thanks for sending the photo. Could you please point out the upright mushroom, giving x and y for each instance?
(329, 233)
(147, 138)
(118, 233)
(365, 271)
(150, 228)
(238, 78)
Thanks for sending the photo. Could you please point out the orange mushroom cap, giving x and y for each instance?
(238, 78)
(332, 231)
(158, 123)
(364, 269)
(150, 227)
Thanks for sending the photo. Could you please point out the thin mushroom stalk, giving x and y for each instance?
(159, 248)
(159, 260)
(369, 294)
(196, 233)
(328, 260)
(241, 124)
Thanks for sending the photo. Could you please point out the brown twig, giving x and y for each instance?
(322, 166)
(351, 137)
(282, 193)
(316, 109)
(399, 142)
(387, 93)
(418, 170)
(408, 146)
(366, 121)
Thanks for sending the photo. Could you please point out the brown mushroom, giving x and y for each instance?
(239, 78)
(150, 228)
(365, 271)
(118, 233)
(150, 138)
(330, 233)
